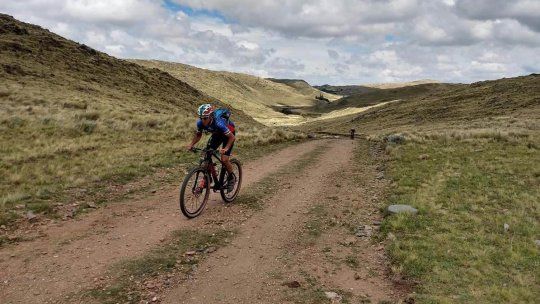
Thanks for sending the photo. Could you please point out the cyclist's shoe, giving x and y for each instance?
(231, 181)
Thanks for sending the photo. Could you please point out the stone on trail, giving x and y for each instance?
(30, 216)
(364, 231)
(506, 227)
(210, 249)
(292, 284)
(395, 209)
(334, 297)
(537, 242)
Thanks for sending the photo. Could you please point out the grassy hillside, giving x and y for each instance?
(395, 85)
(346, 90)
(378, 96)
(258, 97)
(75, 121)
(467, 157)
(505, 102)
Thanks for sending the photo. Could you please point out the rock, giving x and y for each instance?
(364, 231)
(334, 297)
(394, 209)
(70, 214)
(91, 205)
(391, 236)
(350, 240)
(154, 299)
(311, 136)
(506, 227)
(379, 175)
(210, 249)
(292, 284)
(356, 276)
(423, 156)
(154, 191)
(30, 216)
(377, 223)
(3, 227)
(191, 253)
(537, 242)
(395, 138)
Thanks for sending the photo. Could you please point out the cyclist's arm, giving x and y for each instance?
(197, 135)
(195, 139)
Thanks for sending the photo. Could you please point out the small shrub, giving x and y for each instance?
(92, 115)
(87, 126)
(82, 105)
(14, 122)
(40, 207)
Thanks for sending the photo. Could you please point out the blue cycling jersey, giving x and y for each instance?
(219, 125)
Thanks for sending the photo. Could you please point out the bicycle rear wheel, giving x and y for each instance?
(229, 196)
(194, 192)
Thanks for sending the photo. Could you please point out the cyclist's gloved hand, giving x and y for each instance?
(222, 151)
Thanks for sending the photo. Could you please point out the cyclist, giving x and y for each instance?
(217, 122)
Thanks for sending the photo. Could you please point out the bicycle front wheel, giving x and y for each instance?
(194, 192)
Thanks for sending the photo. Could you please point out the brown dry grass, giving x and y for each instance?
(75, 120)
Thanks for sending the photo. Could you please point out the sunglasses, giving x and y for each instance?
(205, 118)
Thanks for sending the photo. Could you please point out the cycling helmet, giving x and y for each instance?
(205, 110)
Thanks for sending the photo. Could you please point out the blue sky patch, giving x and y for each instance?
(175, 7)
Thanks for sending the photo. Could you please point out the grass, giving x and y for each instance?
(130, 276)
(41, 167)
(456, 248)
(76, 123)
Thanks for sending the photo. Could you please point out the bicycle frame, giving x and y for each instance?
(207, 162)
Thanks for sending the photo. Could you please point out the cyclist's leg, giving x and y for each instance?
(226, 157)
(214, 141)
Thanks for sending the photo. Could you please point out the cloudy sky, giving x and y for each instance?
(321, 41)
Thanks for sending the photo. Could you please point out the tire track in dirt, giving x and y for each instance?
(236, 274)
(73, 254)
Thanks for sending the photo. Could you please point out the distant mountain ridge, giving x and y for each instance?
(259, 97)
(394, 85)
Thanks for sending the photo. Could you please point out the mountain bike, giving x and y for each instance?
(195, 189)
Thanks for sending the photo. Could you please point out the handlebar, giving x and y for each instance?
(212, 151)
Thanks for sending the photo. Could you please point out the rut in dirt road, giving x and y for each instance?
(237, 273)
(71, 255)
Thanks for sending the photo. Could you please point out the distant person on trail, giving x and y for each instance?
(217, 122)
(352, 133)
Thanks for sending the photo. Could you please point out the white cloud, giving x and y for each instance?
(322, 41)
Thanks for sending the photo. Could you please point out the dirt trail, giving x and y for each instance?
(71, 255)
(267, 252)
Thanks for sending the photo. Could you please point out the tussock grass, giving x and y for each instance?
(473, 183)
